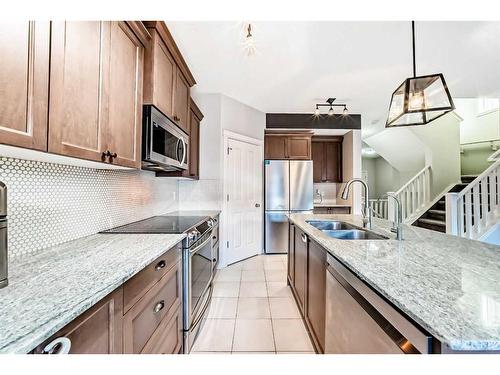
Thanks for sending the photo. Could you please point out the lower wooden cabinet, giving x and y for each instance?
(300, 268)
(143, 322)
(96, 331)
(291, 254)
(307, 264)
(316, 293)
(332, 210)
(151, 322)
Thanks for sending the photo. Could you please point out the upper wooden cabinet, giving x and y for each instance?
(287, 146)
(95, 107)
(327, 159)
(194, 141)
(24, 84)
(167, 78)
(125, 95)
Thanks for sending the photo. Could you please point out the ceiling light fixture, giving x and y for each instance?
(249, 43)
(329, 103)
(419, 100)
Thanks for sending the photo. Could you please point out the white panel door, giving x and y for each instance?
(243, 201)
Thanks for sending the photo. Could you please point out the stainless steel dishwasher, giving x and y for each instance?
(358, 321)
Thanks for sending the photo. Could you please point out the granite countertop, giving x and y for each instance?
(50, 288)
(331, 203)
(448, 285)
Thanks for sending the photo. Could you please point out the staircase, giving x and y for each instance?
(435, 217)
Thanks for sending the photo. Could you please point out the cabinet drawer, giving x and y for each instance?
(143, 319)
(135, 288)
(168, 337)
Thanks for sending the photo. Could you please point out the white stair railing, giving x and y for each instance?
(414, 195)
(474, 210)
(379, 207)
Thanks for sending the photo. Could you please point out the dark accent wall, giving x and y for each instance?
(309, 121)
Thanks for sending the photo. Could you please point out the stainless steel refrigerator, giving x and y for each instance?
(288, 189)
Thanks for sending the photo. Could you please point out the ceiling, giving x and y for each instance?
(298, 64)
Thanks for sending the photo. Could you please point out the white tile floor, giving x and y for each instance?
(253, 311)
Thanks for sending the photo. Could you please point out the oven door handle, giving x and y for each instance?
(204, 310)
(192, 251)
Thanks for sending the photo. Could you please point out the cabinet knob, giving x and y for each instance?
(159, 306)
(176, 118)
(61, 345)
(161, 264)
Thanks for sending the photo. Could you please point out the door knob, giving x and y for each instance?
(257, 205)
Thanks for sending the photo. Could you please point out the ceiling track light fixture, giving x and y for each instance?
(419, 100)
(331, 112)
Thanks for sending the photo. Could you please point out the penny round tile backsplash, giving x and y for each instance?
(51, 203)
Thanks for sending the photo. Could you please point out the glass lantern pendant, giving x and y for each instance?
(419, 100)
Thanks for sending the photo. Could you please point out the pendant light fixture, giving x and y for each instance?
(331, 112)
(419, 100)
(249, 43)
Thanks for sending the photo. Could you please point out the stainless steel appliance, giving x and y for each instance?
(288, 189)
(359, 321)
(3, 237)
(215, 241)
(198, 263)
(164, 145)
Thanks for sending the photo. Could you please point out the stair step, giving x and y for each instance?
(439, 223)
(436, 214)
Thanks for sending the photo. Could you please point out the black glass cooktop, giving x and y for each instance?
(161, 224)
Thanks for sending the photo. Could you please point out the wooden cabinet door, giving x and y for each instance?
(291, 254)
(275, 147)
(333, 162)
(96, 331)
(144, 321)
(194, 147)
(124, 125)
(181, 101)
(316, 292)
(317, 153)
(77, 110)
(299, 147)
(159, 76)
(24, 84)
(301, 245)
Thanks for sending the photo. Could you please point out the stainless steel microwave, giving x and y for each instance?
(164, 145)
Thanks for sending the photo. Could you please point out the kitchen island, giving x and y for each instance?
(446, 285)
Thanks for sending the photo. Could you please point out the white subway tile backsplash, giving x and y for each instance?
(51, 203)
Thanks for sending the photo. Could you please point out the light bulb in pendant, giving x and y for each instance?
(417, 101)
(249, 43)
(345, 112)
(316, 112)
(330, 112)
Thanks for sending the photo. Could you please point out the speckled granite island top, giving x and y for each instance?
(448, 285)
(50, 288)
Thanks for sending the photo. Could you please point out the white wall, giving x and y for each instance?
(351, 167)
(207, 192)
(478, 124)
(242, 119)
(442, 140)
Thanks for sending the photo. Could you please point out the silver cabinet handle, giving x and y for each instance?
(304, 237)
(257, 205)
(159, 306)
(161, 264)
(61, 345)
(184, 151)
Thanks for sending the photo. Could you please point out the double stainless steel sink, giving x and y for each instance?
(344, 231)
